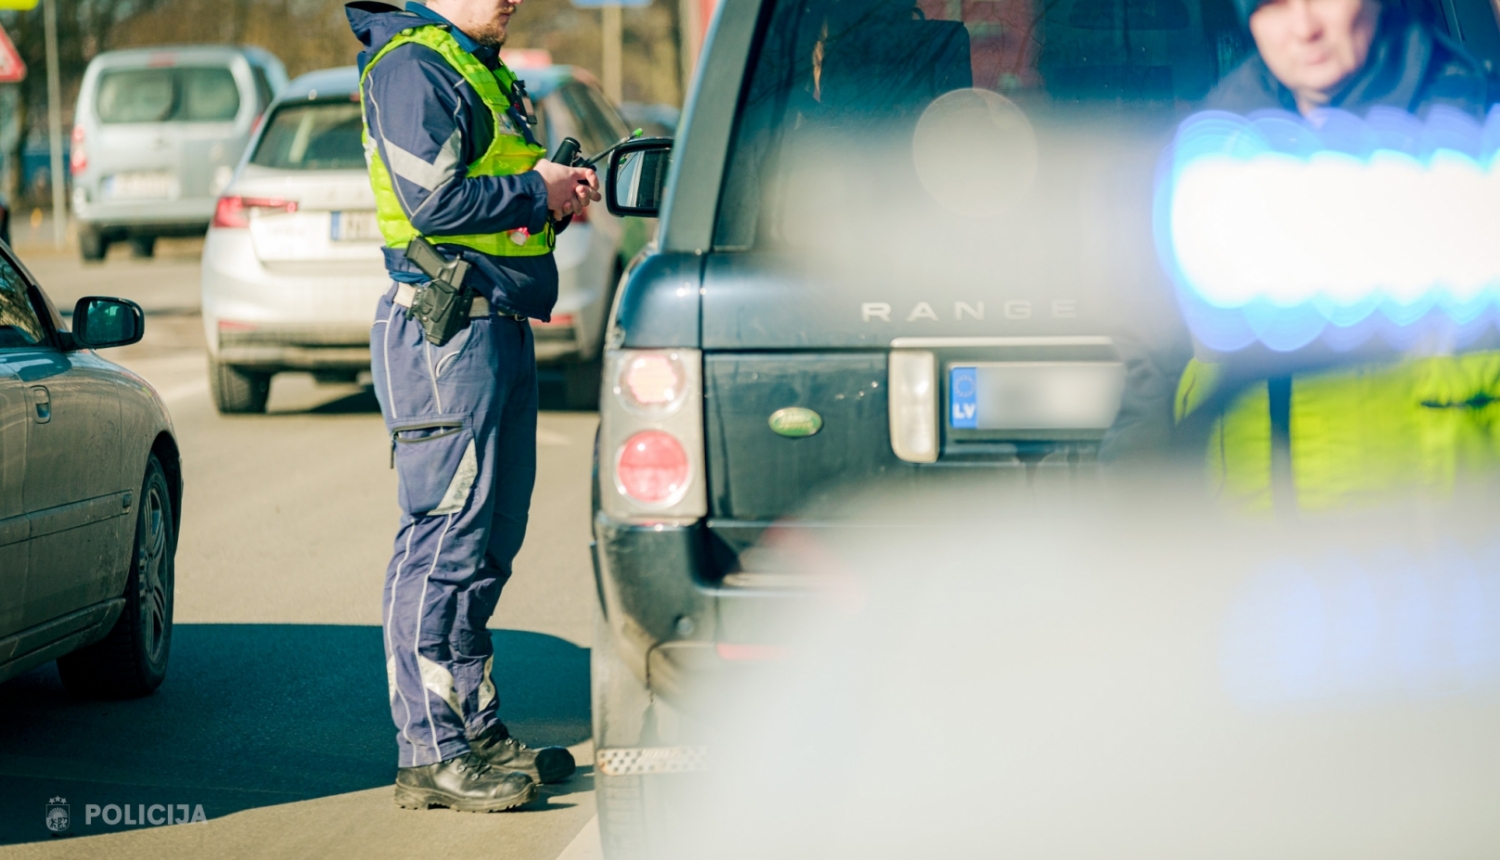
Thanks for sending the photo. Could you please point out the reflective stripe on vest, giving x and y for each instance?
(509, 153)
(1360, 432)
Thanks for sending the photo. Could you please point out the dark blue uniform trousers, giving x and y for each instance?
(462, 419)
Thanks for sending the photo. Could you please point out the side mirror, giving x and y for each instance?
(100, 323)
(637, 176)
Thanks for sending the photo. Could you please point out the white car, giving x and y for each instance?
(156, 137)
(292, 267)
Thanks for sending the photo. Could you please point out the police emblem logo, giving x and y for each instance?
(508, 126)
(58, 815)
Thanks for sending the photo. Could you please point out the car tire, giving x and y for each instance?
(132, 660)
(92, 245)
(143, 247)
(581, 381)
(621, 702)
(237, 391)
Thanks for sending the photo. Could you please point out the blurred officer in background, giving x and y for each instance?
(1320, 439)
(1348, 54)
(453, 159)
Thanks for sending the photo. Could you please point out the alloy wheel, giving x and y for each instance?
(154, 569)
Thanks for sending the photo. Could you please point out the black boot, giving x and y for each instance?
(548, 764)
(466, 783)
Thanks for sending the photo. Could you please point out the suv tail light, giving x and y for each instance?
(78, 161)
(913, 393)
(652, 468)
(234, 212)
(652, 382)
(651, 436)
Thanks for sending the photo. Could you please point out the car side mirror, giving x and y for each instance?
(637, 176)
(100, 323)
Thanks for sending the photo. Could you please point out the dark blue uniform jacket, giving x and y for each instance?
(430, 125)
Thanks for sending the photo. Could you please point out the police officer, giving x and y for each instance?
(1319, 440)
(453, 159)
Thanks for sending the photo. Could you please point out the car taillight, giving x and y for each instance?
(651, 382)
(234, 212)
(913, 391)
(651, 467)
(78, 162)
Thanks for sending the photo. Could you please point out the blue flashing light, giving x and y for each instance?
(1286, 232)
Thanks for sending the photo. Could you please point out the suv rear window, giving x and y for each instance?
(183, 94)
(850, 78)
(323, 135)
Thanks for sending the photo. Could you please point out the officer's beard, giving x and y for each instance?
(493, 34)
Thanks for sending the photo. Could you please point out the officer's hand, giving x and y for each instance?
(584, 196)
(569, 189)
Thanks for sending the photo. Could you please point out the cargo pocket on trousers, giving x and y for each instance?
(436, 464)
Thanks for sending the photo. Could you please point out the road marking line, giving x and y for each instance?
(586, 845)
(183, 392)
(551, 437)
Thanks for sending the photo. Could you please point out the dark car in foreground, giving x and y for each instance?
(90, 496)
(900, 243)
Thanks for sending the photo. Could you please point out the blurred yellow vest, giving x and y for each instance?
(509, 153)
(1361, 432)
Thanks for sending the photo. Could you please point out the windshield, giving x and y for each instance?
(168, 95)
(849, 81)
(313, 136)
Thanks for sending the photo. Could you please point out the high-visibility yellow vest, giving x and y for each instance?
(1362, 432)
(509, 153)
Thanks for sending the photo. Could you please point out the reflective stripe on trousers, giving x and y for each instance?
(462, 420)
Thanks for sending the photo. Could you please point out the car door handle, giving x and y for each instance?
(42, 399)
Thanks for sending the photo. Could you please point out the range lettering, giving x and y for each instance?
(1011, 309)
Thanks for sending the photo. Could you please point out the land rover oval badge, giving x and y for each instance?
(796, 422)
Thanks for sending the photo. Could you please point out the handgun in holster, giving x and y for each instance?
(442, 306)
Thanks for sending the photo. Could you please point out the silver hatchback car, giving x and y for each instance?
(156, 137)
(292, 267)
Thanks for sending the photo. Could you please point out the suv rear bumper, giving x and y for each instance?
(677, 630)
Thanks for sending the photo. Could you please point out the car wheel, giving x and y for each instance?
(143, 247)
(581, 381)
(237, 391)
(620, 705)
(92, 245)
(132, 660)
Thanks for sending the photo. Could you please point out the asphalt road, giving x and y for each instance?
(273, 716)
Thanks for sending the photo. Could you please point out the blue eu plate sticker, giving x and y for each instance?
(963, 399)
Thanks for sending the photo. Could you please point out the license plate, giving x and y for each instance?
(140, 186)
(358, 226)
(1060, 395)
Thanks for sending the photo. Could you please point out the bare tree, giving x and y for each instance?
(314, 34)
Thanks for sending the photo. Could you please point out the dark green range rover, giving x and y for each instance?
(900, 241)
